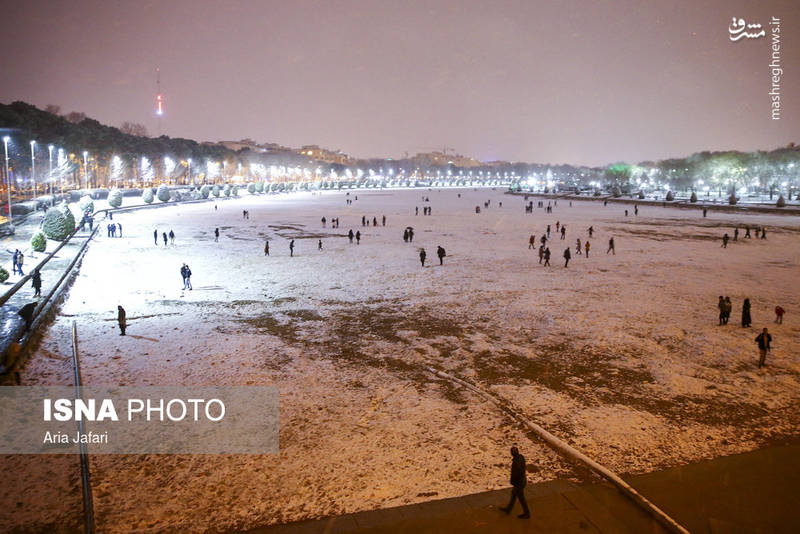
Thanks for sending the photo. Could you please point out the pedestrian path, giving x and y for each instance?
(745, 493)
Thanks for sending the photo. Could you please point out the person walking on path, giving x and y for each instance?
(763, 340)
(563, 232)
(410, 235)
(611, 247)
(422, 256)
(587, 246)
(358, 237)
(14, 263)
(567, 256)
(36, 282)
(172, 237)
(725, 241)
(547, 257)
(189, 273)
(532, 242)
(350, 235)
(441, 253)
(164, 235)
(266, 248)
(721, 307)
(541, 254)
(383, 221)
(20, 262)
(319, 244)
(746, 320)
(591, 231)
(216, 235)
(518, 482)
(155, 236)
(291, 248)
(578, 249)
(121, 320)
(728, 310)
(779, 314)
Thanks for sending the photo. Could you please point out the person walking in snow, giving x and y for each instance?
(374, 221)
(578, 248)
(410, 235)
(736, 234)
(119, 227)
(725, 241)
(721, 307)
(405, 235)
(323, 221)
(611, 247)
(350, 235)
(36, 282)
(764, 232)
(728, 310)
(441, 253)
(172, 237)
(216, 235)
(591, 231)
(155, 236)
(14, 263)
(266, 248)
(383, 221)
(563, 232)
(358, 237)
(518, 482)
(422, 256)
(587, 246)
(164, 235)
(291, 248)
(567, 256)
(547, 257)
(20, 262)
(541, 254)
(121, 320)
(548, 231)
(532, 242)
(319, 244)
(763, 340)
(746, 319)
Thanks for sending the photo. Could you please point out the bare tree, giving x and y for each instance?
(133, 128)
(52, 108)
(75, 116)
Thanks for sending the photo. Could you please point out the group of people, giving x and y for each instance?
(544, 250)
(762, 231)
(440, 252)
(365, 221)
(112, 228)
(764, 338)
(17, 259)
(171, 236)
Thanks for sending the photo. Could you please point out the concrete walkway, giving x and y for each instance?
(747, 493)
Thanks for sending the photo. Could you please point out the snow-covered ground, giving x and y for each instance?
(620, 355)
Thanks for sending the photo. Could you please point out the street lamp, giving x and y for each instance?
(6, 139)
(86, 168)
(50, 176)
(189, 161)
(33, 168)
(61, 169)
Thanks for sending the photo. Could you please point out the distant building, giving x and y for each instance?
(325, 155)
(431, 159)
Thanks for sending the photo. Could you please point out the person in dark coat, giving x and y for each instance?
(611, 247)
(779, 311)
(291, 248)
(441, 253)
(764, 233)
(216, 235)
(358, 237)
(121, 320)
(728, 309)
(350, 235)
(26, 312)
(763, 339)
(319, 244)
(721, 307)
(266, 248)
(518, 482)
(547, 257)
(164, 235)
(725, 241)
(36, 282)
(410, 235)
(422, 256)
(155, 236)
(567, 256)
(746, 320)
(171, 237)
(405, 240)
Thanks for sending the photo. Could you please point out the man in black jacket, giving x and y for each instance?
(518, 482)
(763, 341)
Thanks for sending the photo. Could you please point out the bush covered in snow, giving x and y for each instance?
(251, 188)
(641, 195)
(147, 196)
(781, 202)
(234, 190)
(215, 190)
(226, 190)
(616, 192)
(260, 187)
(86, 204)
(162, 193)
(3, 275)
(670, 196)
(115, 198)
(39, 242)
(693, 198)
(205, 191)
(58, 223)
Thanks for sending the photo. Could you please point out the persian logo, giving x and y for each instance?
(738, 27)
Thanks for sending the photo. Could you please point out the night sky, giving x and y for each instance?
(582, 82)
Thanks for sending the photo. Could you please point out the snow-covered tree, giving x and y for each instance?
(215, 190)
(693, 198)
(670, 196)
(205, 191)
(115, 198)
(58, 223)
(3, 275)
(235, 191)
(251, 188)
(162, 193)
(781, 202)
(147, 195)
(226, 190)
(616, 191)
(260, 186)
(39, 242)
(641, 194)
(86, 204)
